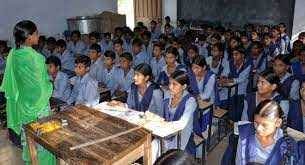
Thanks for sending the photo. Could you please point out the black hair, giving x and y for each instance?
(42, 38)
(270, 76)
(137, 42)
(219, 46)
(168, 18)
(193, 47)
(110, 54)
(200, 61)
(85, 60)
(96, 47)
(240, 49)
(61, 43)
(145, 69)
(51, 41)
(167, 25)
(285, 58)
(216, 36)
(173, 51)
(54, 60)
(153, 21)
(181, 77)
(118, 41)
(94, 35)
(159, 44)
(257, 44)
(271, 109)
(147, 33)
(76, 32)
(127, 56)
(175, 157)
(107, 34)
(22, 31)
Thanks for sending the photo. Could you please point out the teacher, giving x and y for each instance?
(27, 87)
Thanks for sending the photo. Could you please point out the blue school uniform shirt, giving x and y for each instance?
(203, 50)
(85, 91)
(155, 102)
(240, 76)
(163, 78)
(157, 66)
(188, 106)
(62, 87)
(260, 64)
(256, 152)
(96, 69)
(140, 58)
(2, 64)
(108, 78)
(127, 46)
(155, 35)
(285, 44)
(222, 67)
(79, 48)
(124, 80)
(294, 88)
(67, 60)
(105, 46)
(148, 50)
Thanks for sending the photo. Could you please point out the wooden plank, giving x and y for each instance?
(85, 124)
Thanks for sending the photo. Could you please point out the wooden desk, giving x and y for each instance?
(105, 93)
(86, 125)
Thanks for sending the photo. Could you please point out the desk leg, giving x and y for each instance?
(147, 151)
(32, 149)
(179, 140)
(161, 146)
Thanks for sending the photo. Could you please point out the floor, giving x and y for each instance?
(10, 155)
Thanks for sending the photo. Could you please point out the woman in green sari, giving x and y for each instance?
(27, 87)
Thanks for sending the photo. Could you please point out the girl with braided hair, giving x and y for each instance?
(266, 140)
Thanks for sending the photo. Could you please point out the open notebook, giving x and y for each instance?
(148, 120)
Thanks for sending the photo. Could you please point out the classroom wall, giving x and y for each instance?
(238, 11)
(49, 15)
(298, 21)
(169, 8)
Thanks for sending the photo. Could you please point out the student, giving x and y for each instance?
(298, 66)
(125, 74)
(289, 84)
(267, 86)
(155, 32)
(147, 44)
(192, 53)
(175, 157)
(180, 30)
(259, 63)
(3, 50)
(216, 62)
(109, 71)
(203, 46)
(50, 47)
(66, 58)
(178, 110)
(275, 47)
(239, 70)
(168, 29)
(246, 43)
(234, 43)
(202, 80)
(97, 62)
(128, 35)
(94, 38)
(157, 62)
(177, 43)
(285, 40)
(41, 47)
(266, 141)
(267, 47)
(143, 95)
(171, 58)
(85, 88)
(255, 36)
(139, 56)
(106, 43)
(118, 49)
(76, 46)
(296, 115)
(62, 88)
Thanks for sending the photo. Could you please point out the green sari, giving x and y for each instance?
(27, 89)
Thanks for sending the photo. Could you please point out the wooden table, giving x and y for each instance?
(86, 125)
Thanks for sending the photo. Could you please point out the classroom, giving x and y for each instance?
(152, 82)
